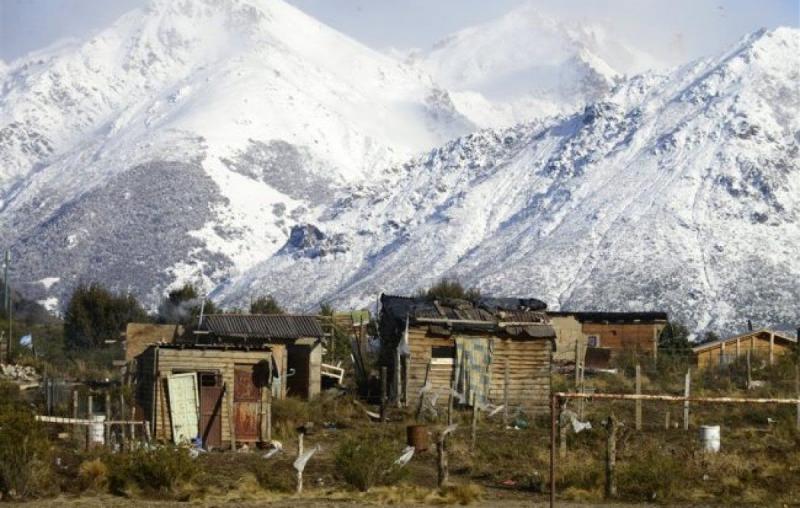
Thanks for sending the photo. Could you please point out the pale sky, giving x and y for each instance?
(675, 30)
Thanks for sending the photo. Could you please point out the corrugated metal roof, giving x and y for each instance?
(261, 326)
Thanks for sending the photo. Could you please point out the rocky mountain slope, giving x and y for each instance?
(188, 137)
(677, 192)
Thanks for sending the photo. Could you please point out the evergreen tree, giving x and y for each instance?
(95, 315)
(266, 305)
(675, 338)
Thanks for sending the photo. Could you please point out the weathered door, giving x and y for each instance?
(183, 406)
(211, 409)
(246, 402)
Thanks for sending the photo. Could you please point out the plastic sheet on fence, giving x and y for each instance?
(569, 417)
(302, 460)
(404, 459)
(277, 447)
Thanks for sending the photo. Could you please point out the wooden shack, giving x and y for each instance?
(490, 348)
(216, 392)
(614, 331)
(301, 336)
(764, 344)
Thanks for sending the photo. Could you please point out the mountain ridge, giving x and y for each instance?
(580, 209)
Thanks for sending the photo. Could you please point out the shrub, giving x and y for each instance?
(23, 448)
(649, 476)
(273, 477)
(93, 474)
(153, 470)
(367, 461)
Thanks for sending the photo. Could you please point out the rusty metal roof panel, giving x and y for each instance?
(262, 326)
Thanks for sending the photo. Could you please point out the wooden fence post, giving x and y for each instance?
(398, 378)
(299, 454)
(107, 427)
(384, 374)
(771, 348)
(269, 415)
(638, 402)
(506, 381)
(123, 416)
(686, 393)
(443, 474)
(90, 416)
(666, 420)
(132, 429)
(228, 392)
(611, 457)
(75, 412)
(422, 394)
(263, 414)
(450, 402)
(797, 392)
(474, 421)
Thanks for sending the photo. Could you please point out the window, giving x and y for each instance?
(443, 354)
(208, 379)
(593, 341)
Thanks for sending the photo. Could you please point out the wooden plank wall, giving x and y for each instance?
(758, 343)
(631, 336)
(529, 369)
(177, 360)
(420, 345)
(529, 373)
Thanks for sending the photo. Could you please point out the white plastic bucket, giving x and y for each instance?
(97, 434)
(710, 437)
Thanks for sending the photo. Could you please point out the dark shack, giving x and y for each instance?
(484, 349)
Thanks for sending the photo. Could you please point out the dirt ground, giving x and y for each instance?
(311, 501)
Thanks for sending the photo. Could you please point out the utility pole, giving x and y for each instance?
(8, 303)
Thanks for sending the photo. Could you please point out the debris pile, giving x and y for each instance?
(23, 375)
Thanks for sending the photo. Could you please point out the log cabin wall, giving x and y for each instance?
(156, 364)
(529, 362)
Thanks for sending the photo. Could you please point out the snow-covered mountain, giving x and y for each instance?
(677, 192)
(528, 64)
(189, 136)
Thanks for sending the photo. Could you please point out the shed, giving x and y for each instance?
(300, 335)
(476, 346)
(765, 343)
(614, 331)
(217, 392)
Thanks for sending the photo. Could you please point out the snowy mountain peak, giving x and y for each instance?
(529, 65)
(662, 196)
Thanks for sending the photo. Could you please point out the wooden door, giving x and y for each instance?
(211, 409)
(246, 402)
(183, 406)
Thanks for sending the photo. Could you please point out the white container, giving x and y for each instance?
(710, 437)
(97, 430)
